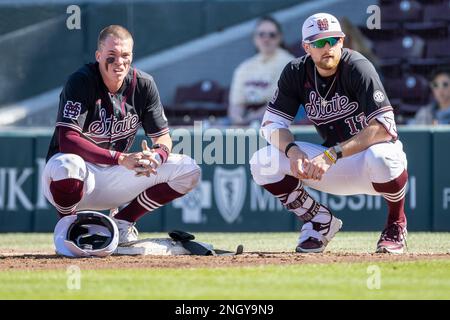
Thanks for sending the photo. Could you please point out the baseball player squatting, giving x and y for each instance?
(101, 107)
(361, 154)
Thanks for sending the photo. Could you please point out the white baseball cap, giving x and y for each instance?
(319, 26)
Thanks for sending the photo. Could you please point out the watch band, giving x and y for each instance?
(289, 146)
(338, 150)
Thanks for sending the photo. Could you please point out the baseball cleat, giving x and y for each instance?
(127, 231)
(315, 236)
(392, 239)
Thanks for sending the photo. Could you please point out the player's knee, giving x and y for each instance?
(380, 160)
(189, 178)
(69, 166)
(262, 166)
(376, 158)
(255, 166)
(194, 176)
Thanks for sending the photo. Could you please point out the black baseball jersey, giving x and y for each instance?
(354, 98)
(109, 120)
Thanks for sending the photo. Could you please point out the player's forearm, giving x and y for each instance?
(71, 141)
(372, 134)
(281, 138)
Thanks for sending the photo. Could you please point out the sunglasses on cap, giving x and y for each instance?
(264, 34)
(437, 85)
(322, 42)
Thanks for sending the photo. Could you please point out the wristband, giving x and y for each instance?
(116, 156)
(289, 146)
(330, 156)
(162, 150)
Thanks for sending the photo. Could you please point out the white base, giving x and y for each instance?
(158, 247)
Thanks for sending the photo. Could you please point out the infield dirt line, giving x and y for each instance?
(46, 261)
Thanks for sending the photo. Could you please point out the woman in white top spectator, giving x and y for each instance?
(437, 112)
(255, 80)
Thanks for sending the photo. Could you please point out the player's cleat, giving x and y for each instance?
(127, 231)
(392, 239)
(316, 234)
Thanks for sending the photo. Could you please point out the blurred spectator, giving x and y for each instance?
(438, 112)
(255, 80)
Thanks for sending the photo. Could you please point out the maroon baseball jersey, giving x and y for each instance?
(339, 106)
(110, 121)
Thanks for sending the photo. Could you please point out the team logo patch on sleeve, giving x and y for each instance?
(378, 96)
(72, 110)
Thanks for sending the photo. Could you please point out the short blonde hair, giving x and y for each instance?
(115, 31)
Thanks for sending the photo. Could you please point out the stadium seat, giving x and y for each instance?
(402, 11)
(427, 65)
(391, 68)
(226, 96)
(407, 111)
(200, 101)
(400, 116)
(438, 48)
(404, 111)
(388, 31)
(404, 48)
(411, 89)
(427, 2)
(395, 102)
(414, 37)
(202, 91)
(439, 11)
(428, 29)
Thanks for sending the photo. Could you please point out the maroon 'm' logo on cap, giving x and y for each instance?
(322, 24)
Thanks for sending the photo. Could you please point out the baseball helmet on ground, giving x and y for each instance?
(86, 234)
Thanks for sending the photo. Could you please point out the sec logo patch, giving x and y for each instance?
(378, 96)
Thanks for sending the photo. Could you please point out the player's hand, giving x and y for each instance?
(150, 161)
(130, 160)
(297, 159)
(315, 169)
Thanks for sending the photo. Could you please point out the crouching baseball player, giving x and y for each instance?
(361, 154)
(88, 165)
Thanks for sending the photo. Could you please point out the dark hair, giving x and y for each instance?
(439, 71)
(276, 24)
(115, 31)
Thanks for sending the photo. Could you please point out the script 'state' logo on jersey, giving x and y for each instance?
(72, 110)
(111, 128)
(336, 108)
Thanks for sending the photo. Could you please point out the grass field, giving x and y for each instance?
(418, 279)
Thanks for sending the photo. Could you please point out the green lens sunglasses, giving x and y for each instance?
(322, 42)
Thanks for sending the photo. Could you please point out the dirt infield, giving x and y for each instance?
(14, 260)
